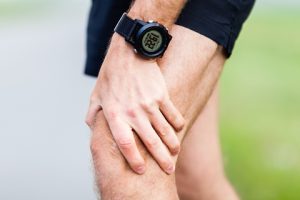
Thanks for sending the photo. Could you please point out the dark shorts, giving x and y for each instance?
(219, 20)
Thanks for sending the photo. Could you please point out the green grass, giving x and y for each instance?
(260, 108)
(20, 9)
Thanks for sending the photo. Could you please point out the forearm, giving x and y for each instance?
(162, 11)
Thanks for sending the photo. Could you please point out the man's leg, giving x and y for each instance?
(199, 170)
(187, 89)
(115, 179)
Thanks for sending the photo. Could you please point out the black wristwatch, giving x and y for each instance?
(149, 39)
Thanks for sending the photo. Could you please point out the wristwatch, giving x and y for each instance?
(149, 39)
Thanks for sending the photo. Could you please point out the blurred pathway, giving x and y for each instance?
(44, 152)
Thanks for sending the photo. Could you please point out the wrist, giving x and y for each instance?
(119, 46)
(161, 11)
(118, 42)
(142, 15)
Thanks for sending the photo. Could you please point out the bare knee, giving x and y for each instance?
(114, 178)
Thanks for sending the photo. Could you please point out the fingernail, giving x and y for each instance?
(171, 169)
(141, 170)
(181, 122)
(176, 151)
(163, 133)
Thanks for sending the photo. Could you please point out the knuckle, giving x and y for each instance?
(112, 113)
(146, 104)
(131, 112)
(174, 118)
(167, 130)
(125, 143)
(150, 110)
(152, 143)
(162, 100)
(94, 98)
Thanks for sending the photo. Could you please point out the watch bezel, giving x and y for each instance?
(166, 38)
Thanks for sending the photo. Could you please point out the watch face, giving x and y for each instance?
(152, 41)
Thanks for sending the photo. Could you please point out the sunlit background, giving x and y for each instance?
(44, 144)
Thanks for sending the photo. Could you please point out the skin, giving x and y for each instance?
(142, 110)
(164, 12)
(144, 107)
(199, 170)
(190, 80)
(134, 97)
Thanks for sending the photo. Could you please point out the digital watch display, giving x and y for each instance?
(152, 41)
(149, 39)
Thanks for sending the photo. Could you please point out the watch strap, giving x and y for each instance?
(125, 26)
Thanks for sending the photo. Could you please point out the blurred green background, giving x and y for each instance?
(260, 106)
(260, 97)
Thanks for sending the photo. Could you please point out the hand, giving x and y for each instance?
(190, 79)
(133, 95)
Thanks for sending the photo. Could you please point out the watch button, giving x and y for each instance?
(151, 21)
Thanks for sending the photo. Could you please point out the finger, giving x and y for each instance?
(124, 138)
(153, 143)
(165, 131)
(171, 113)
(91, 114)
